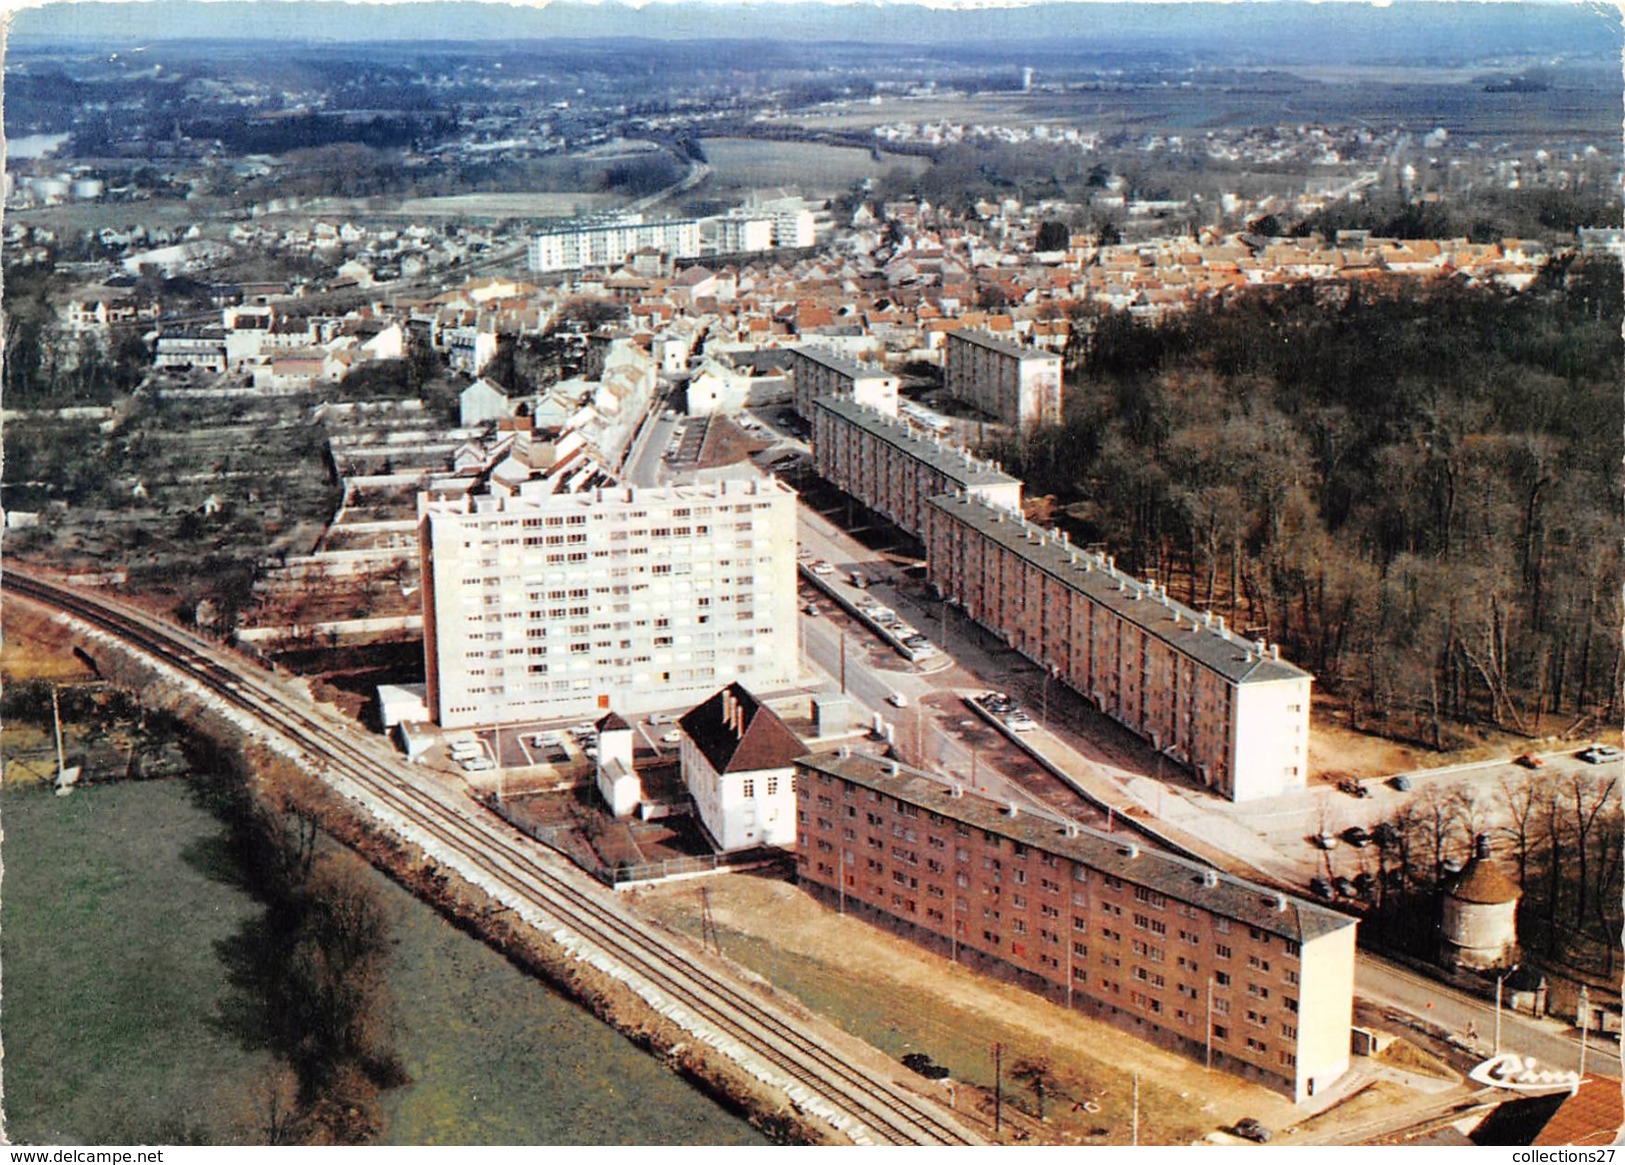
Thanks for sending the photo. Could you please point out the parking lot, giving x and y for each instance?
(547, 755)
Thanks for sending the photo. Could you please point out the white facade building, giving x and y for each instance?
(540, 600)
(617, 776)
(739, 232)
(576, 248)
(738, 761)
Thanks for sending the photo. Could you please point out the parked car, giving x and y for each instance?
(1384, 833)
(477, 764)
(1353, 788)
(858, 580)
(673, 737)
(1252, 1130)
(1320, 888)
(1344, 887)
(810, 609)
(1326, 840)
(1357, 837)
(822, 568)
(1020, 723)
(1528, 760)
(1600, 754)
(663, 718)
(897, 700)
(1401, 783)
(1364, 883)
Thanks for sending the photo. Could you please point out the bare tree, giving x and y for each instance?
(1585, 817)
(1038, 1074)
(1520, 798)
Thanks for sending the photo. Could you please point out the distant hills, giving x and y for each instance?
(1409, 31)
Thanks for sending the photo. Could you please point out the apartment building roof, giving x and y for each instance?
(1004, 347)
(853, 368)
(1119, 855)
(956, 464)
(1203, 638)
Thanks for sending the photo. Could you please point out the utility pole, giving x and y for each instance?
(1134, 1135)
(998, 1087)
(56, 722)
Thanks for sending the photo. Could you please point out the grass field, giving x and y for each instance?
(525, 205)
(115, 899)
(816, 170)
(496, 1057)
(113, 902)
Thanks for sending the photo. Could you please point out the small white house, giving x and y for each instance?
(618, 782)
(738, 762)
(716, 388)
(482, 401)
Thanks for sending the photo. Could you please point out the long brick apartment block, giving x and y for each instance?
(1019, 386)
(893, 469)
(1228, 708)
(820, 373)
(1258, 983)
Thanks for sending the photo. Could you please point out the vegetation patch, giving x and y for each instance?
(114, 905)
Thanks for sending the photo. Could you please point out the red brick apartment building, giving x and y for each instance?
(894, 470)
(1227, 707)
(1258, 983)
(1020, 386)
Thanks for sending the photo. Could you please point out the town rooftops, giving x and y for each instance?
(739, 734)
(954, 463)
(1119, 855)
(1004, 347)
(1203, 638)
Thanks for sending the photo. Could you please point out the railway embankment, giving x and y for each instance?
(278, 777)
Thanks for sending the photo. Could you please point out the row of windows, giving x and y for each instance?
(1145, 950)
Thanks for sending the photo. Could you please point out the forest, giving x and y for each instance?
(1414, 488)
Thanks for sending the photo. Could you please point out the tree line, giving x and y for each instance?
(1414, 488)
(1559, 837)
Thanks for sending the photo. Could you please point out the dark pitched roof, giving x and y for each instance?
(612, 722)
(738, 734)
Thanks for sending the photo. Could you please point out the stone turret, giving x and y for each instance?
(1479, 923)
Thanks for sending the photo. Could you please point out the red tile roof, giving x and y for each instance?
(1594, 1115)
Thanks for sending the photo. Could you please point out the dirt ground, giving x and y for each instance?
(33, 647)
(902, 999)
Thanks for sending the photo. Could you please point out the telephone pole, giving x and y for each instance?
(998, 1087)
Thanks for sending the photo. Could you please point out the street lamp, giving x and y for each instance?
(1499, 980)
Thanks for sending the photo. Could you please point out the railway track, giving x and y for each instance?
(815, 1076)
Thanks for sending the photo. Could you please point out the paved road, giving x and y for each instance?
(1383, 982)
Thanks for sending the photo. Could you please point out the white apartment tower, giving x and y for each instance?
(574, 248)
(540, 604)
